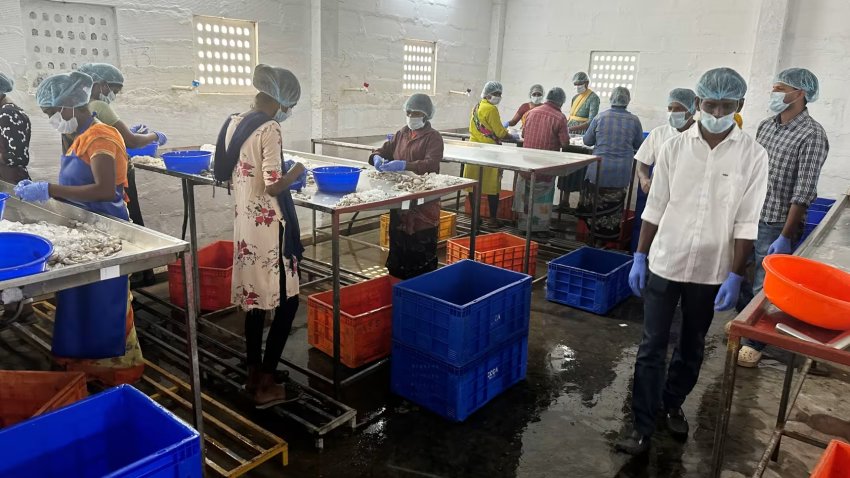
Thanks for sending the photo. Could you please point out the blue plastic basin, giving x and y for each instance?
(149, 150)
(189, 162)
(336, 179)
(24, 254)
(3, 198)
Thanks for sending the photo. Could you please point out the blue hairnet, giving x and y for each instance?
(103, 72)
(684, 97)
(7, 84)
(66, 90)
(536, 88)
(581, 77)
(620, 96)
(279, 83)
(802, 79)
(491, 87)
(721, 84)
(557, 95)
(420, 102)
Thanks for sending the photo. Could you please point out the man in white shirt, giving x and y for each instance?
(700, 221)
(680, 116)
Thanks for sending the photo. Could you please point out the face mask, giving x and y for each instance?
(677, 119)
(777, 102)
(415, 122)
(62, 125)
(716, 125)
(581, 89)
(494, 100)
(282, 116)
(537, 100)
(108, 98)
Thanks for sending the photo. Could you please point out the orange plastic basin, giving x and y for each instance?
(808, 290)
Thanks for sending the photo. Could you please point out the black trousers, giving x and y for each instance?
(650, 388)
(133, 207)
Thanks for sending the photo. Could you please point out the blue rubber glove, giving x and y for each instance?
(782, 245)
(516, 138)
(287, 165)
(161, 138)
(637, 276)
(377, 160)
(139, 129)
(727, 297)
(393, 166)
(505, 124)
(32, 192)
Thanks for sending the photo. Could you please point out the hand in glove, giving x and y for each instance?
(505, 124)
(782, 245)
(637, 276)
(727, 297)
(377, 160)
(161, 139)
(139, 129)
(32, 192)
(393, 166)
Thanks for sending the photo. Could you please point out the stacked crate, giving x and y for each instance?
(460, 336)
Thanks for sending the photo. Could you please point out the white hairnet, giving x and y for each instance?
(620, 96)
(557, 95)
(279, 83)
(420, 102)
(721, 84)
(581, 77)
(802, 79)
(103, 72)
(491, 87)
(684, 97)
(66, 90)
(536, 88)
(7, 84)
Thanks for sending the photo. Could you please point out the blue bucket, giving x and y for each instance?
(189, 162)
(336, 179)
(24, 254)
(3, 198)
(149, 150)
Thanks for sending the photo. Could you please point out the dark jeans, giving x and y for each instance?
(255, 322)
(767, 234)
(650, 389)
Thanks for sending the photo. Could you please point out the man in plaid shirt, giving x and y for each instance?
(797, 147)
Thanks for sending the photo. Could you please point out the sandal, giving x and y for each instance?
(748, 357)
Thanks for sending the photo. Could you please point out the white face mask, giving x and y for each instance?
(581, 89)
(677, 119)
(62, 125)
(777, 102)
(494, 100)
(716, 125)
(282, 116)
(415, 122)
(108, 98)
(537, 100)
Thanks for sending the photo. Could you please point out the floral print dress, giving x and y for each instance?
(256, 230)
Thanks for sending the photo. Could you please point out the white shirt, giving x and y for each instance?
(702, 200)
(648, 152)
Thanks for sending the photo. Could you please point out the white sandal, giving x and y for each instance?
(748, 357)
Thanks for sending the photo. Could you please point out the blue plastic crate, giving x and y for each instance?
(458, 313)
(455, 393)
(590, 279)
(823, 202)
(120, 433)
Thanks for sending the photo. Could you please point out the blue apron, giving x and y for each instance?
(91, 319)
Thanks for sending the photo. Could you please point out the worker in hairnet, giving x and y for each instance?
(797, 147)
(485, 126)
(544, 128)
(681, 106)
(583, 109)
(266, 233)
(417, 147)
(535, 99)
(615, 135)
(94, 330)
(700, 221)
(15, 132)
(108, 82)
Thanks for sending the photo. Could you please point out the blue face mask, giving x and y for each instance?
(282, 116)
(716, 125)
(777, 102)
(677, 119)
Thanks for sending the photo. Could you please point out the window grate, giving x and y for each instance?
(225, 54)
(610, 69)
(419, 67)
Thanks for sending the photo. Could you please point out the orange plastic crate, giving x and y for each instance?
(505, 211)
(448, 226)
(499, 249)
(366, 319)
(25, 394)
(215, 266)
(835, 461)
(622, 243)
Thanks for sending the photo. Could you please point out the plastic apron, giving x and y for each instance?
(91, 319)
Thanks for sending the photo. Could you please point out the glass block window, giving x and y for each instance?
(419, 67)
(610, 69)
(225, 54)
(62, 36)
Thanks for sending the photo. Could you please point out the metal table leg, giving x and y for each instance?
(459, 193)
(337, 372)
(528, 216)
(727, 389)
(476, 214)
(315, 236)
(595, 205)
(783, 403)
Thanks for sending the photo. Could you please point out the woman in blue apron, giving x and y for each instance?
(94, 331)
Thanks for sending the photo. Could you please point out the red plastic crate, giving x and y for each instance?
(624, 241)
(366, 320)
(835, 461)
(505, 211)
(215, 266)
(499, 249)
(25, 394)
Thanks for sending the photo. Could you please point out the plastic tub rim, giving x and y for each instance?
(769, 267)
(616, 269)
(33, 262)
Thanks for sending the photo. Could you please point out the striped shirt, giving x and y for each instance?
(545, 127)
(796, 152)
(615, 134)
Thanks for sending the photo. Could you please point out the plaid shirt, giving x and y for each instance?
(615, 134)
(545, 127)
(797, 151)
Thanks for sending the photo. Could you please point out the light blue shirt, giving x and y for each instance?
(615, 135)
